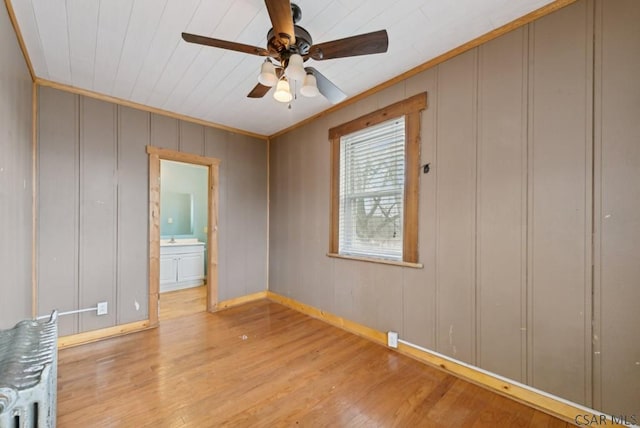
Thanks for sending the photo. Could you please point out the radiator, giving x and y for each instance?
(28, 374)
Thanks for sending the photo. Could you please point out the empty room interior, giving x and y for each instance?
(341, 213)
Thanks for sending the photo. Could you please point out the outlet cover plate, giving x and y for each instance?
(392, 339)
(102, 308)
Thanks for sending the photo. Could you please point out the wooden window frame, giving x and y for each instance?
(410, 109)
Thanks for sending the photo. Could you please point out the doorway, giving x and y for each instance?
(181, 226)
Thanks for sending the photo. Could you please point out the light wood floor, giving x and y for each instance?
(264, 365)
(174, 304)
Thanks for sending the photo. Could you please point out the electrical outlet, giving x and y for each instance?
(392, 339)
(102, 308)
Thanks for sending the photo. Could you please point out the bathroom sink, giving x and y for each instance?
(180, 241)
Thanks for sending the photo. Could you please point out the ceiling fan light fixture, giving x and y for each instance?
(283, 93)
(310, 86)
(295, 68)
(267, 75)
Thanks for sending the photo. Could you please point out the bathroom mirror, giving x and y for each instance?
(176, 214)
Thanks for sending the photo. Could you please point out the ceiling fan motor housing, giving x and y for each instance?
(278, 45)
(278, 50)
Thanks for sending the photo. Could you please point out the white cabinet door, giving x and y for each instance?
(168, 269)
(181, 266)
(191, 267)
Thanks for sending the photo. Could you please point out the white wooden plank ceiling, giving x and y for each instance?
(132, 49)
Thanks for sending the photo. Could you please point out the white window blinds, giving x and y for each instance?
(372, 166)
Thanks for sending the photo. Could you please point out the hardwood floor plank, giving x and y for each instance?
(175, 304)
(264, 365)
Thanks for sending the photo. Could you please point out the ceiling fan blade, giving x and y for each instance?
(327, 88)
(224, 44)
(363, 44)
(261, 90)
(282, 20)
(258, 91)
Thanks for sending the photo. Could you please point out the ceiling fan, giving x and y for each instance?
(290, 45)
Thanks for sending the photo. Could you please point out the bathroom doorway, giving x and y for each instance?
(183, 200)
(183, 238)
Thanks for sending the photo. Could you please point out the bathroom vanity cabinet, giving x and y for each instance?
(181, 266)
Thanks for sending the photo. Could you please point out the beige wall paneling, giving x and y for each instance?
(388, 293)
(295, 235)
(247, 214)
(283, 271)
(242, 230)
(297, 231)
(58, 198)
(419, 304)
(315, 190)
(365, 302)
(278, 214)
(98, 211)
(346, 279)
(501, 209)
(300, 214)
(243, 185)
(560, 140)
(191, 138)
(617, 372)
(526, 192)
(164, 132)
(309, 198)
(252, 161)
(133, 217)
(15, 178)
(456, 206)
(388, 96)
(238, 202)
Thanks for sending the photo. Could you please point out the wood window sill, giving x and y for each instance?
(372, 260)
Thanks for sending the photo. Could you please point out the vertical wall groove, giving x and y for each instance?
(589, 207)
(116, 213)
(118, 273)
(34, 200)
(597, 206)
(78, 208)
(524, 207)
(530, 201)
(77, 221)
(436, 198)
(476, 200)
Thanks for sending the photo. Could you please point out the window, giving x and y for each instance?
(372, 191)
(375, 165)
